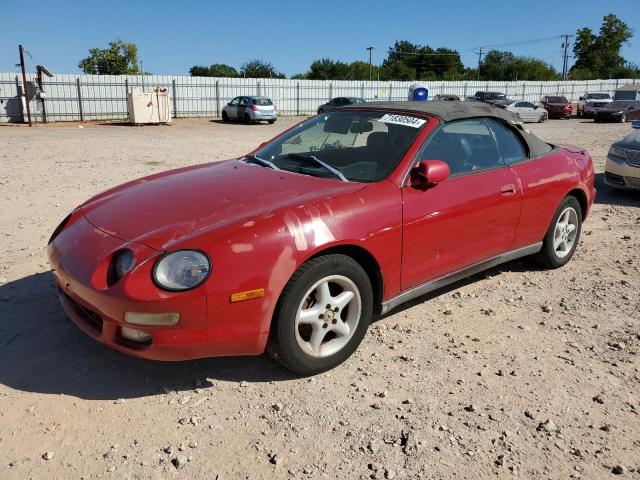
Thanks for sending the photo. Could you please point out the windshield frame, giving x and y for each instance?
(394, 165)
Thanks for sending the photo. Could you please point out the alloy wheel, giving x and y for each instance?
(328, 316)
(565, 232)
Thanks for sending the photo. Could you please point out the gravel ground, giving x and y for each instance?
(516, 371)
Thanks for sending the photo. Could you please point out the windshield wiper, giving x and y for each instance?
(262, 161)
(315, 159)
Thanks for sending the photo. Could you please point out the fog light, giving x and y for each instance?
(136, 318)
(135, 335)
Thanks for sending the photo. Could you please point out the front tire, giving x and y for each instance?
(322, 315)
(623, 118)
(563, 235)
(225, 117)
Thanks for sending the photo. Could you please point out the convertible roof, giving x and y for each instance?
(446, 111)
(450, 111)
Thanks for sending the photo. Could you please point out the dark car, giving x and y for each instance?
(446, 97)
(557, 106)
(339, 102)
(618, 111)
(488, 97)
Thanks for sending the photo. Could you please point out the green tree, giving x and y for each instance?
(120, 58)
(427, 63)
(259, 69)
(501, 65)
(215, 70)
(598, 56)
(327, 69)
(359, 70)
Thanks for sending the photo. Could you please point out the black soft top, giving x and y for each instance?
(451, 111)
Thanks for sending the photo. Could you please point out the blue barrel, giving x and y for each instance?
(635, 124)
(420, 94)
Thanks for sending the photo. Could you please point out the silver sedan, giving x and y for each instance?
(527, 111)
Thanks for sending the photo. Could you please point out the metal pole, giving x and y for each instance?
(79, 99)
(24, 83)
(390, 91)
(126, 94)
(41, 87)
(479, 62)
(298, 98)
(564, 58)
(175, 98)
(362, 90)
(330, 90)
(370, 49)
(524, 90)
(217, 98)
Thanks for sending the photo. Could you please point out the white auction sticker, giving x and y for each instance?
(403, 120)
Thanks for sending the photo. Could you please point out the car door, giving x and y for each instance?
(471, 216)
(243, 102)
(232, 108)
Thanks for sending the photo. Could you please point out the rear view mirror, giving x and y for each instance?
(337, 124)
(361, 127)
(429, 173)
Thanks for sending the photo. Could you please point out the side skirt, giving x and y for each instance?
(459, 275)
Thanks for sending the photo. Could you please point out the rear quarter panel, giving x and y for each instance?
(545, 182)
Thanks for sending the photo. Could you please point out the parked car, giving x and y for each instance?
(488, 97)
(446, 97)
(293, 247)
(622, 169)
(249, 110)
(618, 111)
(590, 102)
(527, 111)
(339, 102)
(557, 106)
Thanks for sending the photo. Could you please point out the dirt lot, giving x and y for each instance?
(513, 372)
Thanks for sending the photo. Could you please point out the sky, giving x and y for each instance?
(172, 36)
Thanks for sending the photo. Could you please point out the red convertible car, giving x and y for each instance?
(294, 247)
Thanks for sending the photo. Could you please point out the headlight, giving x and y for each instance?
(125, 262)
(181, 270)
(617, 152)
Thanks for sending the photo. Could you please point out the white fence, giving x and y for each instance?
(104, 97)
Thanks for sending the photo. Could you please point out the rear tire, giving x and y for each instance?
(543, 118)
(225, 117)
(247, 119)
(322, 315)
(623, 118)
(563, 235)
(271, 122)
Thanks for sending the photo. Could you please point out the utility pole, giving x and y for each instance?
(565, 59)
(24, 83)
(370, 50)
(479, 61)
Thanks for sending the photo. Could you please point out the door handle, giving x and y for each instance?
(508, 189)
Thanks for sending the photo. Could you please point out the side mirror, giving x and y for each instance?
(429, 173)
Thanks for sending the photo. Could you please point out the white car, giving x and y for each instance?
(527, 111)
(250, 109)
(590, 102)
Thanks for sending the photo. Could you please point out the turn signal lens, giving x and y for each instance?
(248, 295)
(135, 318)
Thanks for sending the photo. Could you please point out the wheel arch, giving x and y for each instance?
(579, 195)
(367, 261)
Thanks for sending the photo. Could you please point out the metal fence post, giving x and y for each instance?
(258, 87)
(298, 98)
(390, 91)
(362, 90)
(174, 92)
(524, 90)
(79, 99)
(573, 90)
(217, 98)
(330, 90)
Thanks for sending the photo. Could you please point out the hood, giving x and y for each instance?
(611, 110)
(162, 209)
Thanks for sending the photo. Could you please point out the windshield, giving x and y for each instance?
(358, 100)
(261, 101)
(495, 96)
(618, 104)
(361, 146)
(598, 96)
(557, 100)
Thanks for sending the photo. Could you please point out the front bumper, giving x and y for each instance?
(608, 117)
(78, 256)
(620, 174)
